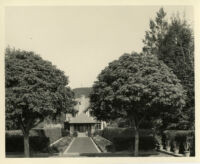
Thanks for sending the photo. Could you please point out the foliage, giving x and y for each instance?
(110, 133)
(65, 132)
(35, 90)
(127, 143)
(177, 52)
(14, 143)
(156, 33)
(75, 134)
(184, 139)
(89, 134)
(52, 134)
(102, 143)
(134, 87)
(98, 132)
(60, 146)
(122, 138)
(173, 43)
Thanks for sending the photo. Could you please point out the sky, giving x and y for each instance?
(82, 40)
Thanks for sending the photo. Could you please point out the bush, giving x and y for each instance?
(123, 138)
(53, 133)
(180, 137)
(65, 132)
(61, 145)
(98, 132)
(125, 143)
(39, 139)
(89, 134)
(16, 143)
(75, 134)
(103, 144)
(110, 133)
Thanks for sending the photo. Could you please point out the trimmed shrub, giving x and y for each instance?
(103, 144)
(180, 137)
(75, 134)
(125, 143)
(110, 133)
(98, 132)
(123, 138)
(61, 145)
(39, 139)
(53, 133)
(65, 132)
(16, 143)
(89, 134)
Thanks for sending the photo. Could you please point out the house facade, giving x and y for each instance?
(83, 122)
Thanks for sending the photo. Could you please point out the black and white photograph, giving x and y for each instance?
(99, 81)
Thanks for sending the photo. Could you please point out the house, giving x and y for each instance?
(83, 122)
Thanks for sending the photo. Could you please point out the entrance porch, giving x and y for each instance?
(82, 128)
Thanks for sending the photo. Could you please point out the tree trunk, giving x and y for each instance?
(26, 145)
(136, 151)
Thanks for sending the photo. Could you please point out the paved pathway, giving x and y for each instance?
(82, 145)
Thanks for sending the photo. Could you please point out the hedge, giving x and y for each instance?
(125, 143)
(39, 139)
(123, 138)
(16, 143)
(180, 137)
(65, 132)
(52, 133)
(110, 133)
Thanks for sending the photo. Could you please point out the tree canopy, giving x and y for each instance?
(35, 90)
(136, 87)
(173, 43)
(133, 85)
(157, 30)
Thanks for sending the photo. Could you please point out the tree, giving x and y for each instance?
(156, 33)
(135, 87)
(173, 43)
(35, 90)
(177, 51)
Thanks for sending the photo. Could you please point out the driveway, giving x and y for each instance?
(82, 145)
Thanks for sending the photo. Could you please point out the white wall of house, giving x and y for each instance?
(83, 104)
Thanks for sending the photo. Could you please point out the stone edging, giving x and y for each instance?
(64, 152)
(56, 141)
(95, 145)
(171, 153)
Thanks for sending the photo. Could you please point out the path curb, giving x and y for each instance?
(170, 153)
(65, 152)
(95, 145)
(56, 142)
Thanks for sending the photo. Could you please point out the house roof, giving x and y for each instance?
(82, 118)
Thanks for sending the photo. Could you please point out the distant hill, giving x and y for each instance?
(82, 91)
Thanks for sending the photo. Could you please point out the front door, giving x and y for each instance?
(81, 128)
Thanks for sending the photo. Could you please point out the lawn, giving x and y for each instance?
(61, 146)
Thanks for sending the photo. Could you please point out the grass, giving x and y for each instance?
(61, 146)
(103, 144)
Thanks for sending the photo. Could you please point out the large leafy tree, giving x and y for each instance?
(177, 51)
(35, 90)
(136, 87)
(173, 43)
